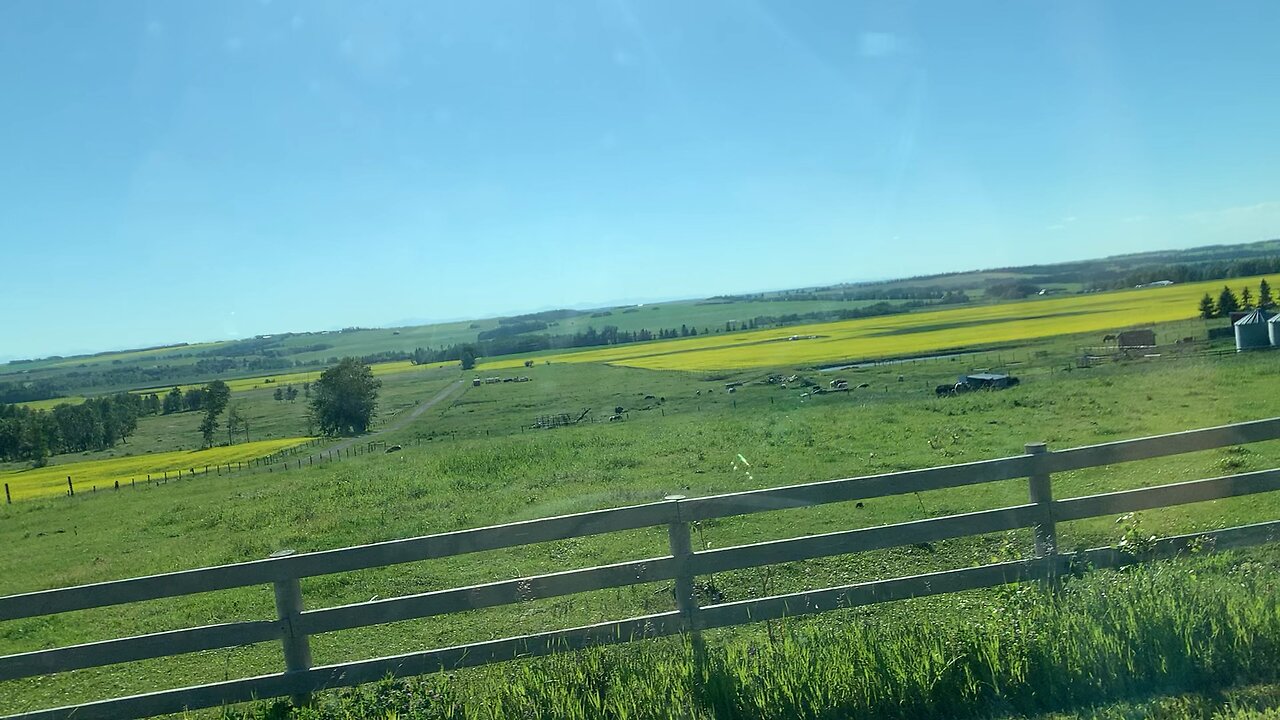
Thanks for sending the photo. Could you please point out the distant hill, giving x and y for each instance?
(45, 378)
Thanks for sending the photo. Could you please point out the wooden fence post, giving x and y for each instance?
(297, 646)
(71, 489)
(7, 499)
(686, 602)
(1040, 488)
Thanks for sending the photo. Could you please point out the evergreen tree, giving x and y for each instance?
(1264, 294)
(1227, 302)
(1207, 308)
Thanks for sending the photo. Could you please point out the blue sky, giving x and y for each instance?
(182, 171)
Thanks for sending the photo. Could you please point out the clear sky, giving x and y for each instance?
(182, 171)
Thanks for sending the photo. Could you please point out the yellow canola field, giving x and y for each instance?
(908, 333)
(298, 378)
(52, 480)
(53, 402)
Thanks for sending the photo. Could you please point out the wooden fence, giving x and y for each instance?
(294, 624)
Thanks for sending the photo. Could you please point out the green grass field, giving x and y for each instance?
(268, 419)
(478, 463)
(1073, 654)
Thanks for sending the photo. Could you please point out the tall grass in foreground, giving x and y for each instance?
(1190, 625)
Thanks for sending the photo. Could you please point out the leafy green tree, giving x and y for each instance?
(215, 397)
(40, 438)
(208, 426)
(467, 355)
(290, 393)
(345, 399)
(235, 422)
(173, 401)
(278, 394)
(1264, 294)
(193, 399)
(1227, 302)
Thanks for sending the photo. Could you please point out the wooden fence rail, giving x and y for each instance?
(294, 624)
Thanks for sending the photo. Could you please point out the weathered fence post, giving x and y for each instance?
(686, 601)
(71, 489)
(297, 646)
(1041, 493)
(7, 499)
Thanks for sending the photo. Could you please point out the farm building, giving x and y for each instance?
(1136, 339)
(1251, 331)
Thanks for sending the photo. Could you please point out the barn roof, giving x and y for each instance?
(1257, 317)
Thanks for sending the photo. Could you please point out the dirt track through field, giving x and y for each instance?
(402, 419)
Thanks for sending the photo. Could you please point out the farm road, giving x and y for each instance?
(402, 419)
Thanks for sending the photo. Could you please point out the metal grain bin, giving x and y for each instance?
(1251, 331)
(1273, 329)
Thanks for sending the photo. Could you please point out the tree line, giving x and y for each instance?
(1228, 302)
(95, 424)
(1196, 272)
(849, 294)
(20, 392)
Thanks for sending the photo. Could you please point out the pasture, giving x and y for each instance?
(479, 462)
(906, 334)
(267, 418)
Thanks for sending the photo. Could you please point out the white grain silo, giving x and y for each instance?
(1251, 331)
